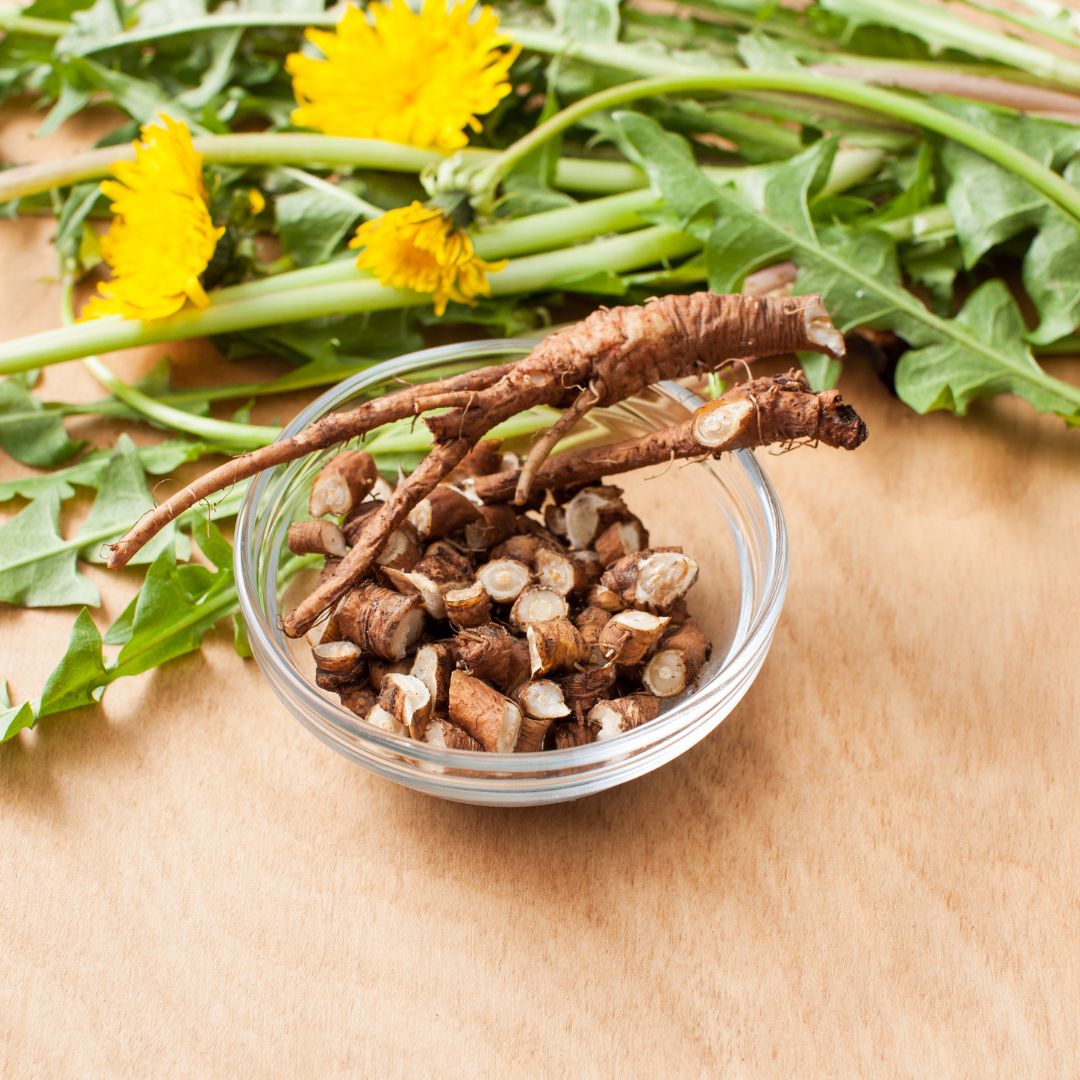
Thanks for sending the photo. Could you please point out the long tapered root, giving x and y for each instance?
(762, 412)
(336, 428)
(609, 356)
(545, 443)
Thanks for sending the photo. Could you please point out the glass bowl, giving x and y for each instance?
(725, 514)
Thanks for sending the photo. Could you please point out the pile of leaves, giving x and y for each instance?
(956, 268)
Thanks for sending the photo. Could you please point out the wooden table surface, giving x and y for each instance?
(871, 868)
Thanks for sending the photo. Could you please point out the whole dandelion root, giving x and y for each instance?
(609, 356)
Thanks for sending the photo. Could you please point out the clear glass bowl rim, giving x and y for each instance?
(744, 655)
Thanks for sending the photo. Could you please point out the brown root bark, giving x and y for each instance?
(607, 357)
(780, 409)
(332, 429)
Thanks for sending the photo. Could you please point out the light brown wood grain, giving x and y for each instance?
(870, 869)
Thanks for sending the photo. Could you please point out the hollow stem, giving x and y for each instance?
(559, 228)
(910, 110)
(225, 432)
(552, 269)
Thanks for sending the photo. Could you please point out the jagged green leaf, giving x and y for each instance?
(122, 499)
(990, 204)
(13, 718)
(176, 606)
(37, 565)
(80, 676)
(158, 460)
(587, 20)
(669, 164)
(311, 226)
(980, 354)
(1051, 272)
(950, 374)
(30, 431)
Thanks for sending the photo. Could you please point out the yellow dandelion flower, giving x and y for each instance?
(419, 78)
(418, 247)
(161, 237)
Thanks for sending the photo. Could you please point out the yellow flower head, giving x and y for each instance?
(418, 78)
(418, 247)
(161, 238)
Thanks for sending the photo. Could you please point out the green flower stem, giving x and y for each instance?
(552, 269)
(558, 228)
(934, 221)
(224, 432)
(585, 175)
(899, 106)
(520, 236)
(937, 24)
(12, 22)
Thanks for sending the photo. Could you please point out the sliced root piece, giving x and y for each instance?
(630, 636)
(316, 538)
(414, 583)
(555, 645)
(440, 567)
(343, 483)
(378, 669)
(555, 519)
(468, 606)
(541, 699)
(521, 548)
(489, 717)
(495, 524)
(584, 689)
(432, 665)
(559, 572)
(407, 699)
(590, 512)
(445, 564)
(355, 521)
(339, 657)
(335, 684)
(619, 539)
(542, 703)
(504, 579)
(484, 651)
(358, 699)
(538, 605)
(610, 718)
(449, 736)
(441, 513)
(606, 599)
(401, 551)
(567, 736)
(652, 579)
(590, 621)
(380, 621)
(678, 663)
(384, 720)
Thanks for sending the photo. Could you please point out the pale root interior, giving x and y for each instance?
(407, 633)
(504, 579)
(664, 577)
(544, 700)
(716, 424)
(511, 726)
(539, 605)
(665, 673)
